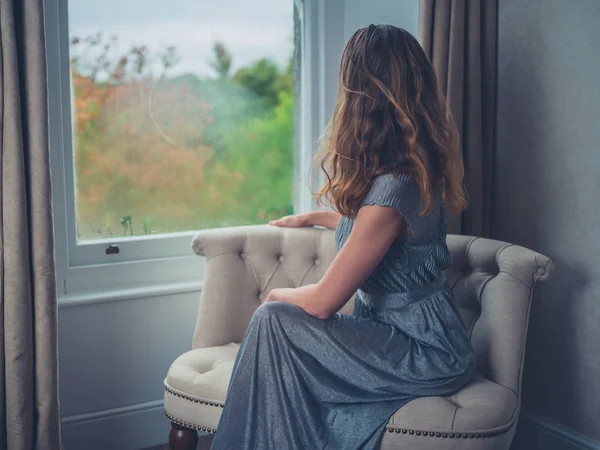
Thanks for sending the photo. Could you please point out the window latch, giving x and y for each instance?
(112, 249)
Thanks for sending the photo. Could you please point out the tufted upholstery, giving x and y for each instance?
(492, 282)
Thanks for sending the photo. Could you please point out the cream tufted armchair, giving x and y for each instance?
(492, 282)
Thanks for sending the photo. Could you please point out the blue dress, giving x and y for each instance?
(302, 383)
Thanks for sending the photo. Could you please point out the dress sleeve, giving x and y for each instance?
(400, 193)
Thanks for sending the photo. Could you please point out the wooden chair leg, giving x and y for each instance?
(182, 438)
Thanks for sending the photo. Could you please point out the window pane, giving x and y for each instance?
(183, 114)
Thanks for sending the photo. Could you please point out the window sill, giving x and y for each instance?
(88, 298)
(93, 283)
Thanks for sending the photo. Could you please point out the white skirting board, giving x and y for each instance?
(538, 433)
(145, 425)
(128, 428)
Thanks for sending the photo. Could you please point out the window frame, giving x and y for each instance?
(147, 264)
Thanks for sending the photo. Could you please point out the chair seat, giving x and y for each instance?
(196, 386)
(203, 373)
(197, 382)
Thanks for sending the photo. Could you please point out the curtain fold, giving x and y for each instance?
(29, 407)
(460, 38)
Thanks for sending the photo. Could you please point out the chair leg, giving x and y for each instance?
(181, 438)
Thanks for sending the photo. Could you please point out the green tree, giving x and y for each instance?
(255, 179)
(221, 62)
(265, 79)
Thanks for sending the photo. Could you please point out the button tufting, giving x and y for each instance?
(317, 261)
(280, 258)
(242, 255)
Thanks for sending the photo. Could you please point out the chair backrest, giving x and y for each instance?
(492, 282)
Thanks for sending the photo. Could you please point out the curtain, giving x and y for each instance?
(460, 38)
(29, 409)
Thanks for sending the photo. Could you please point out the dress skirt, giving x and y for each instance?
(302, 383)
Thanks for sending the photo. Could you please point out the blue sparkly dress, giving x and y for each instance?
(301, 383)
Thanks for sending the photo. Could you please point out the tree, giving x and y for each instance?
(156, 153)
(232, 105)
(255, 179)
(139, 151)
(265, 79)
(221, 63)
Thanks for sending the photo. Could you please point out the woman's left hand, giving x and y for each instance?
(295, 296)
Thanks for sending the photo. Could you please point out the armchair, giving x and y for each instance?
(492, 281)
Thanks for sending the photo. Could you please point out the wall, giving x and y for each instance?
(114, 355)
(113, 358)
(401, 13)
(547, 185)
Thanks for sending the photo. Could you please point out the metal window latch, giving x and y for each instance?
(112, 249)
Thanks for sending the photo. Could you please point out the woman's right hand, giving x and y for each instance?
(296, 221)
(327, 219)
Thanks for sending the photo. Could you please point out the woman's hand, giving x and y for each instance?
(297, 221)
(327, 219)
(294, 296)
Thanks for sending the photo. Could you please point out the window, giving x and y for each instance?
(183, 115)
(167, 118)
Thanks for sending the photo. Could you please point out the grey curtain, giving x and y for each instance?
(460, 38)
(29, 410)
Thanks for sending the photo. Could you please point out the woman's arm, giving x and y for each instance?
(375, 229)
(327, 219)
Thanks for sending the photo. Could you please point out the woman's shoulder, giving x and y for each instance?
(394, 185)
(404, 194)
(397, 190)
(393, 181)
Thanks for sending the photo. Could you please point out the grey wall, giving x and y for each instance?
(548, 192)
(401, 13)
(113, 359)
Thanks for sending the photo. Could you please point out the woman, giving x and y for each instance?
(309, 378)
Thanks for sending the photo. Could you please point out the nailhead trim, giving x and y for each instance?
(389, 430)
(192, 399)
(190, 425)
(449, 435)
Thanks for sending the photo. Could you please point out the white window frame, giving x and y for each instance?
(162, 263)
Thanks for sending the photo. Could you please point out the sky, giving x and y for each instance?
(251, 29)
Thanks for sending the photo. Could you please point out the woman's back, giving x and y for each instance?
(422, 257)
(408, 289)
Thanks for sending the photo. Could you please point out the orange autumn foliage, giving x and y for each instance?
(139, 153)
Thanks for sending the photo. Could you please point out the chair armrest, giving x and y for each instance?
(493, 283)
(244, 264)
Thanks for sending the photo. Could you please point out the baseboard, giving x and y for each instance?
(127, 428)
(538, 433)
(145, 425)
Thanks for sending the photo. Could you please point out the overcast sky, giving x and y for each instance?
(251, 29)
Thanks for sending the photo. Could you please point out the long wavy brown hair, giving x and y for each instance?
(391, 117)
